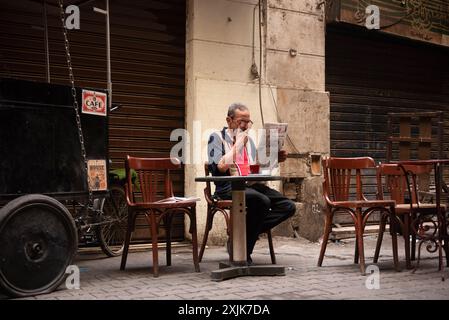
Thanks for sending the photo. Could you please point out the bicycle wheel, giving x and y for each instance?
(111, 234)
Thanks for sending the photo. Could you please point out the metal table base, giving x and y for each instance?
(237, 265)
(229, 271)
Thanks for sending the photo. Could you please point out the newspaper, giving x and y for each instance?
(266, 152)
(178, 199)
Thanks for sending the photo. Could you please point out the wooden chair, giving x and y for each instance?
(157, 203)
(223, 206)
(342, 195)
(396, 182)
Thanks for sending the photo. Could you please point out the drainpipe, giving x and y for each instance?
(108, 51)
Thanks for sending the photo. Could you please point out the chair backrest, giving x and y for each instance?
(392, 178)
(152, 174)
(339, 175)
(207, 190)
(424, 129)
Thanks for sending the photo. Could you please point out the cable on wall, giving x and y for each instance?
(260, 62)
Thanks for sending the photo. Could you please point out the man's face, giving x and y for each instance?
(241, 120)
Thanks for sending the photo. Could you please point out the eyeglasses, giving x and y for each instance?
(246, 122)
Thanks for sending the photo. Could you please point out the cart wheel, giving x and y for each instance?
(38, 241)
(112, 235)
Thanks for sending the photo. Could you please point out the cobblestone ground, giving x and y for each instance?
(338, 278)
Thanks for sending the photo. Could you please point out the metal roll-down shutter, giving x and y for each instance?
(147, 61)
(368, 75)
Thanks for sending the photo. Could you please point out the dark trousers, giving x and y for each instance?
(266, 208)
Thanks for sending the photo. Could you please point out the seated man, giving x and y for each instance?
(266, 207)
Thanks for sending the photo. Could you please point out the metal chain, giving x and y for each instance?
(75, 101)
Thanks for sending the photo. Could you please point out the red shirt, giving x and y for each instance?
(242, 163)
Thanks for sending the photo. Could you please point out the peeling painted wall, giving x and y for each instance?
(222, 45)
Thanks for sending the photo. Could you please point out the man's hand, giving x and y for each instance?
(282, 155)
(241, 139)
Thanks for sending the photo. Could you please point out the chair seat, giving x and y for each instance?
(165, 204)
(223, 204)
(363, 203)
(404, 208)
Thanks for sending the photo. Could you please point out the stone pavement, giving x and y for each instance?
(338, 279)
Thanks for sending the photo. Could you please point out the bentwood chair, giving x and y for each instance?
(154, 198)
(401, 184)
(214, 206)
(343, 192)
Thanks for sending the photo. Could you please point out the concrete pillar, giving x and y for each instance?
(222, 45)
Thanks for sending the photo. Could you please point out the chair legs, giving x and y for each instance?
(406, 232)
(380, 235)
(327, 231)
(446, 251)
(393, 221)
(167, 223)
(359, 236)
(125, 250)
(193, 232)
(356, 249)
(394, 240)
(129, 230)
(409, 250)
(154, 246)
(359, 254)
(413, 245)
(270, 244)
(383, 222)
(209, 222)
(152, 221)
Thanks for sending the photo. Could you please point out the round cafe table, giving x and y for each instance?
(238, 265)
